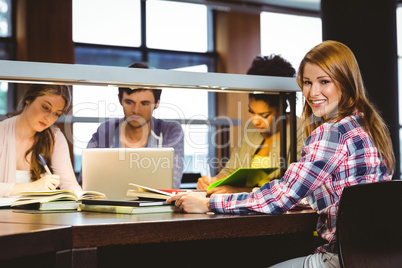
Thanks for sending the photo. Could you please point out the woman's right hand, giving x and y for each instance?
(46, 183)
(205, 181)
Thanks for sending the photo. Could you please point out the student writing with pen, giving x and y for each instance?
(259, 146)
(28, 133)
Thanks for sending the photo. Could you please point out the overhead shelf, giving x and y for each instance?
(95, 75)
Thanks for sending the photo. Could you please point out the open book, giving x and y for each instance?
(147, 192)
(32, 197)
(244, 177)
(143, 192)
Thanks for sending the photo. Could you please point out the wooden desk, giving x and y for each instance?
(189, 240)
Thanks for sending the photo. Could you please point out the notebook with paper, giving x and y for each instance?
(110, 170)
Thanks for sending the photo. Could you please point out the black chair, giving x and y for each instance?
(369, 225)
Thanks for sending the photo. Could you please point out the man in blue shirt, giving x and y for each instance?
(139, 128)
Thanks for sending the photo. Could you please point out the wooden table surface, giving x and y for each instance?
(89, 230)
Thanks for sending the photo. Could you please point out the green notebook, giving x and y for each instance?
(244, 176)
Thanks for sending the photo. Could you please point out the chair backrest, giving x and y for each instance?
(369, 225)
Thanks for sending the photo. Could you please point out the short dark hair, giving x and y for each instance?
(157, 92)
(271, 99)
(272, 65)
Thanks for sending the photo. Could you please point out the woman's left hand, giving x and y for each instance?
(190, 202)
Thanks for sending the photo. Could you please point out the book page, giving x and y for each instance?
(45, 193)
(89, 195)
(7, 201)
(148, 189)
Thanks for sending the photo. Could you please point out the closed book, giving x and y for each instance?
(127, 209)
(129, 203)
(56, 205)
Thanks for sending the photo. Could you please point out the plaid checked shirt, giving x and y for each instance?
(335, 155)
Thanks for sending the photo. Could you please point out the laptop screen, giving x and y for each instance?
(110, 170)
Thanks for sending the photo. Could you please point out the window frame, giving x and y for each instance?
(209, 57)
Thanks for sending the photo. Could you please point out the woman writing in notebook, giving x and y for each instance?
(348, 143)
(260, 144)
(28, 133)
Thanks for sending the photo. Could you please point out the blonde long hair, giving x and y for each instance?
(339, 62)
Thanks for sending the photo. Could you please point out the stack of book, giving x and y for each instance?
(53, 200)
(142, 200)
(126, 206)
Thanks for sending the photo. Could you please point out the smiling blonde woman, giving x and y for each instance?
(348, 144)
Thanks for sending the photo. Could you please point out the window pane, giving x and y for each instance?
(195, 148)
(302, 34)
(106, 56)
(6, 53)
(169, 60)
(5, 21)
(293, 45)
(3, 97)
(82, 133)
(106, 22)
(179, 103)
(96, 101)
(177, 26)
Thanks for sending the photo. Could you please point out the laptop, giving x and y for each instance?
(110, 170)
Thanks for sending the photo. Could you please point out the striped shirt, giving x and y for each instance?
(335, 155)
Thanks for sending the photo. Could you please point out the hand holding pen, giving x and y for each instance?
(42, 160)
(208, 174)
(49, 181)
(206, 180)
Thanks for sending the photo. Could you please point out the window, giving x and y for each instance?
(293, 45)
(106, 22)
(3, 98)
(166, 30)
(6, 49)
(5, 18)
(103, 38)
